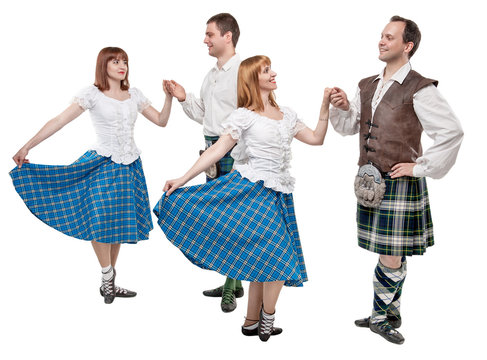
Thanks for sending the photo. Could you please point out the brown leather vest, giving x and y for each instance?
(393, 135)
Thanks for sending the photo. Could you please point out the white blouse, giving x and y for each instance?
(114, 122)
(265, 151)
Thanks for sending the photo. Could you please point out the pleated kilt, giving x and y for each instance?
(236, 227)
(226, 162)
(402, 225)
(91, 199)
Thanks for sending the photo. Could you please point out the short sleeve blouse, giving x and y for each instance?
(264, 146)
(114, 122)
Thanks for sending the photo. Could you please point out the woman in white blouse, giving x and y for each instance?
(102, 197)
(242, 225)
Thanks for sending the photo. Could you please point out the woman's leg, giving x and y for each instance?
(262, 293)
(271, 294)
(103, 253)
(114, 250)
(256, 297)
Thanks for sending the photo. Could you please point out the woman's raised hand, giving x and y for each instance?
(166, 87)
(327, 97)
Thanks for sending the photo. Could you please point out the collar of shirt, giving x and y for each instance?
(228, 65)
(399, 75)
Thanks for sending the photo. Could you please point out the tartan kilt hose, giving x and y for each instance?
(402, 225)
(91, 199)
(236, 227)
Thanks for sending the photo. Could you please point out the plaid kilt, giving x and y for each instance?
(226, 162)
(91, 199)
(236, 227)
(402, 225)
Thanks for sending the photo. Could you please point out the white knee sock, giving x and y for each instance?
(107, 272)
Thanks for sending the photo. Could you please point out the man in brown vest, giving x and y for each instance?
(390, 111)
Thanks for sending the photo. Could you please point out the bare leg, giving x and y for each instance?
(392, 262)
(262, 293)
(271, 294)
(256, 297)
(102, 252)
(114, 250)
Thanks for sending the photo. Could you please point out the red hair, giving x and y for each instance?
(101, 75)
(248, 90)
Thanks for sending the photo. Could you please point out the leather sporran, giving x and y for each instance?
(370, 187)
(214, 170)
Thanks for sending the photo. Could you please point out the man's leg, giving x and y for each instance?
(231, 289)
(217, 292)
(394, 313)
(228, 303)
(389, 274)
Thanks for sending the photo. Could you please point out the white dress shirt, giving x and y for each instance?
(218, 98)
(435, 115)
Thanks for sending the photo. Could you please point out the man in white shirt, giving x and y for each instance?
(390, 111)
(218, 98)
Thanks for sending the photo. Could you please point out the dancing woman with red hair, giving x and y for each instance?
(242, 225)
(102, 196)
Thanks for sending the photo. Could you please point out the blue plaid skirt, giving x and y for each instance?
(236, 227)
(402, 225)
(91, 199)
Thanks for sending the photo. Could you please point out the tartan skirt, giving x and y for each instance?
(91, 199)
(236, 227)
(226, 162)
(402, 225)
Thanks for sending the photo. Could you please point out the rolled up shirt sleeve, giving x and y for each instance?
(194, 108)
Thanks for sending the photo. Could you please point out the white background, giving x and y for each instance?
(50, 307)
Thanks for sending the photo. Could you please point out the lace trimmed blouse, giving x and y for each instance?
(114, 122)
(264, 146)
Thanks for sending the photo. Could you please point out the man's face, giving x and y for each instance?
(391, 44)
(214, 40)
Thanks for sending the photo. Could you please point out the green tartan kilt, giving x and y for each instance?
(226, 162)
(402, 225)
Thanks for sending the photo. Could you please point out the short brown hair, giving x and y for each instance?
(411, 33)
(101, 75)
(248, 90)
(225, 23)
